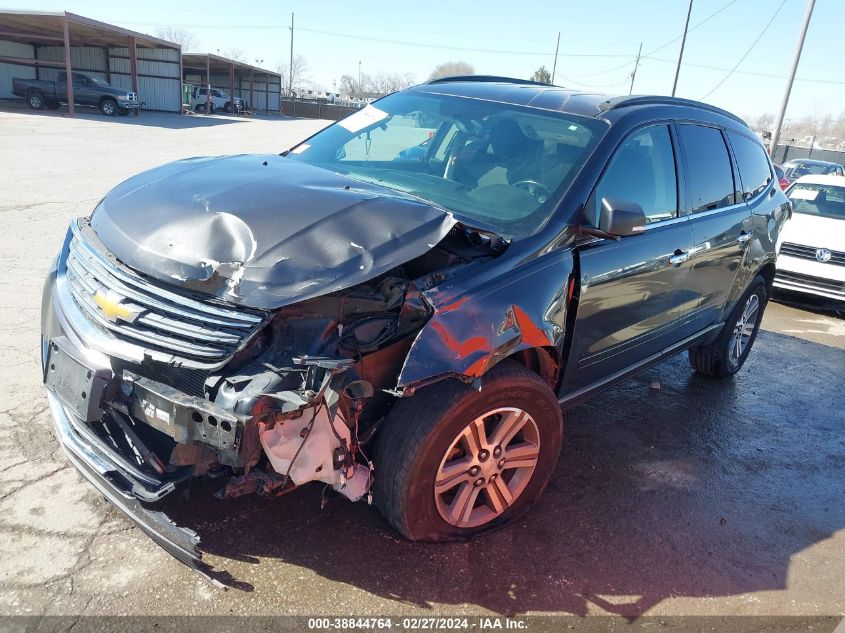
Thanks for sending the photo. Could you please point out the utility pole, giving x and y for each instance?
(554, 64)
(360, 91)
(290, 70)
(791, 79)
(681, 54)
(636, 65)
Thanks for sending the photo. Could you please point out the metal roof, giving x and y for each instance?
(200, 60)
(47, 27)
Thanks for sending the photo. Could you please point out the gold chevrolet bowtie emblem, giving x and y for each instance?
(112, 306)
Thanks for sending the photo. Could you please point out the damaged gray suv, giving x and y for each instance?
(400, 306)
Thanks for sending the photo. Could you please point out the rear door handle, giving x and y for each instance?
(744, 238)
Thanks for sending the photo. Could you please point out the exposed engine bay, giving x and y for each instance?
(299, 401)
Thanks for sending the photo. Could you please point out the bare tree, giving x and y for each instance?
(384, 84)
(449, 69)
(298, 79)
(349, 87)
(184, 38)
(542, 75)
(235, 54)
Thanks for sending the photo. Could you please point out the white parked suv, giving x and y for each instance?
(219, 100)
(812, 244)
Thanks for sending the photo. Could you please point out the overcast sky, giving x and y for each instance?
(599, 41)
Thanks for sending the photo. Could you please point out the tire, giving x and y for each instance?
(227, 107)
(427, 432)
(724, 356)
(35, 100)
(200, 107)
(211, 108)
(108, 107)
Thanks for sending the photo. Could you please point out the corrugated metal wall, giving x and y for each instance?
(159, 84)
(258, 92)
(221, 82)
(8, 71)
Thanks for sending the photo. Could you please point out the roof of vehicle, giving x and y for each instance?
(548, 97)
(830, 180)
(809, 161)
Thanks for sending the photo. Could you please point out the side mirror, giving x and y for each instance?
(621, 218)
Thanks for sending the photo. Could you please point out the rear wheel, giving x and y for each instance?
(35, 100)
(108, 107)
(453, 461)
(727, 354)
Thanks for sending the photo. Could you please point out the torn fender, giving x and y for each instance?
(522, 308)
(262, 231)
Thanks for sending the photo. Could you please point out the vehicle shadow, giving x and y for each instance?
(167, 120)
(669, 485)
(818, 305)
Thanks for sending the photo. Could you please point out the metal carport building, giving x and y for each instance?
(259, 87)
(40, 44)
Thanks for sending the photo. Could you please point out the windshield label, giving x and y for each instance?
(362, 118)
(804, 194)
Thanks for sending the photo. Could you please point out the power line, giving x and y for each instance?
(744, 55)
(451, 48)
(747, 72)
(664, 45)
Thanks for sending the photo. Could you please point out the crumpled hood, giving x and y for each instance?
(262, 231)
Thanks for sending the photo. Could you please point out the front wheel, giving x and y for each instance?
(108, 107)
(452, 461)
(727, 354)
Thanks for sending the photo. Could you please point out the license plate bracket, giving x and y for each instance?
(78, 385)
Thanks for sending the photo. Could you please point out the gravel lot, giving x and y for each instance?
(695, 498)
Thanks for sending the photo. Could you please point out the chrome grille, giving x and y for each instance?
(809, 252)
(169, 326)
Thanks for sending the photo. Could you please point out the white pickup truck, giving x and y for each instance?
(219, 100)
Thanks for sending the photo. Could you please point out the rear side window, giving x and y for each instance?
(643, 171)
(708, 167)
(753, 164)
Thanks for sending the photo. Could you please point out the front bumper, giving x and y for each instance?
(118, 487)
(810, 277)
(118, 480)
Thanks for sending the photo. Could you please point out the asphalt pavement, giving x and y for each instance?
(674, 495)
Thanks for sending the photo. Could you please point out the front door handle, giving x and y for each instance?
(679, 257)
(744, 238)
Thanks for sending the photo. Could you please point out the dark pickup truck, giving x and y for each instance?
(88, 90)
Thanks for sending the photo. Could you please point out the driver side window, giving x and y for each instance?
(643, 171)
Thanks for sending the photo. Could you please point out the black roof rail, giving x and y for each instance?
(624, 102)
(487, 78)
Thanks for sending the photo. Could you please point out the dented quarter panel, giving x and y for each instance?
(262, 231)
(512, 305)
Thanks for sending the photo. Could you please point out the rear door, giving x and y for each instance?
(632, 290)
(720, 221)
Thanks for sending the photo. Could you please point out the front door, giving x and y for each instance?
(632, 290)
